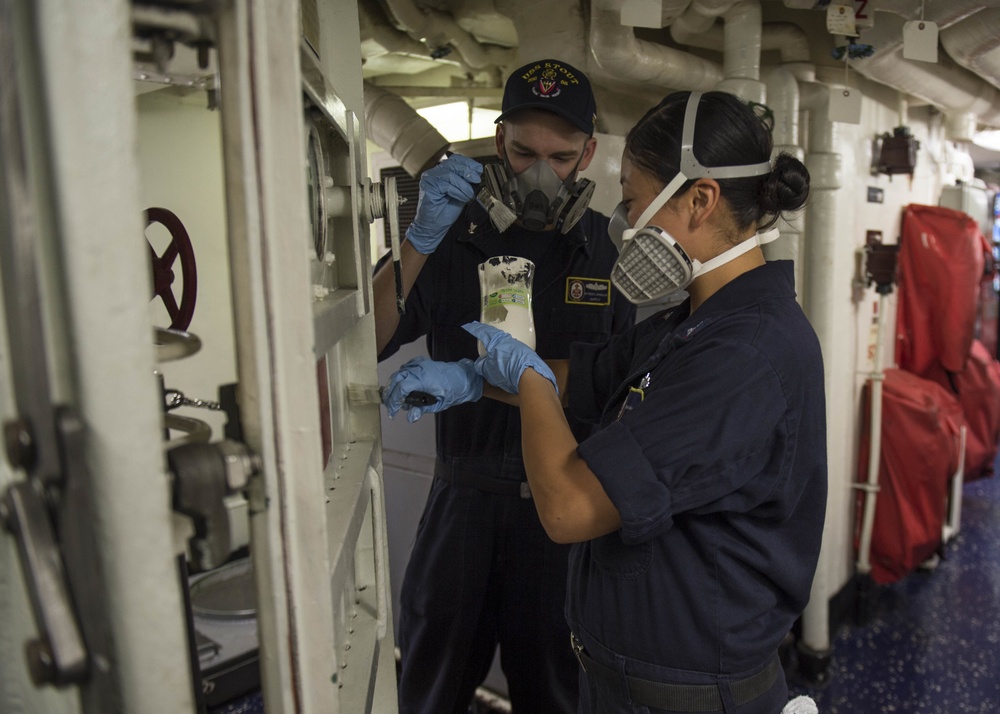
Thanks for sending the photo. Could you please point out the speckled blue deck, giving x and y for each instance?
(249, 704)
(934, 646)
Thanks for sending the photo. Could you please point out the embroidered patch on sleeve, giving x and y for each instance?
(588, 291)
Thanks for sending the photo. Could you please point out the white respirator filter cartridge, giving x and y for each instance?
(651, 264)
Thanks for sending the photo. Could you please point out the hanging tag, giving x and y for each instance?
(845, 105)
(840, 20)
(920, 41)
(864, 15)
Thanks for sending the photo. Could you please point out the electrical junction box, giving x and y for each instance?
(970, 198)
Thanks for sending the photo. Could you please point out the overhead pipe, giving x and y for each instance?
(395, 126)
(953, 89)
(492, 26)
(701, 15)
(439, 29)
(741, 50)
(740, 42)
(619, 52)
(941, 13)
(562, 35)
(391, 39)
(786, 37)
(974, 43)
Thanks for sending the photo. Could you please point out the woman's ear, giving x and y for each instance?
(703, 200)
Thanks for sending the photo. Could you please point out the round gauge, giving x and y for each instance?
(316, 190)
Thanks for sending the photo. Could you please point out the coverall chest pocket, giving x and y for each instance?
(625, 561)
(564, 324)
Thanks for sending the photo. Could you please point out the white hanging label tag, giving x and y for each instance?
(845, 105)
(864, 14)
(920, 41)
(840, 20)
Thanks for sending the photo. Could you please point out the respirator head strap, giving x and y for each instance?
(694, 168)
(662, 197)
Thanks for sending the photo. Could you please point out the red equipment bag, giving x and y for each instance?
(940, 269)
(919, 455)
(977, 389)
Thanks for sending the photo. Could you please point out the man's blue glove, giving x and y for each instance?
(444, 190)
(506, 358)
(451, 382)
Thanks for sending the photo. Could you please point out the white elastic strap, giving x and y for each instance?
(736, 251)
(694, 168)
(771, 234)
(665, 195)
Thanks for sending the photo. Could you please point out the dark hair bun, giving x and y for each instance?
(786, 187)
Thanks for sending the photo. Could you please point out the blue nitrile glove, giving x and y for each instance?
(451, 382)
(444, 190)
(506, 358)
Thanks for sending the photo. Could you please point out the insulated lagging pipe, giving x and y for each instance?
(870, 487)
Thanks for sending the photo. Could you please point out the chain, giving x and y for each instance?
(177, 399)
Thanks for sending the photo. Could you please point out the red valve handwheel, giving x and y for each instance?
(163, 273)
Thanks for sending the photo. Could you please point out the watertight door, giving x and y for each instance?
(94, 555)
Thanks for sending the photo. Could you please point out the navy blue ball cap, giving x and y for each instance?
(555, 86)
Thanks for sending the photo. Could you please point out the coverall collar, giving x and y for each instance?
(481, 232)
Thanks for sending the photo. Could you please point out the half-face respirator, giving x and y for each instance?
(538, 196)
(651, 263)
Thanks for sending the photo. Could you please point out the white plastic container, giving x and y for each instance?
(505, 291)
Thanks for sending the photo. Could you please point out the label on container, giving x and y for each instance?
(513, 296)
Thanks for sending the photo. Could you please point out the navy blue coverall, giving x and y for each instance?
(482, 571)
(719, 474)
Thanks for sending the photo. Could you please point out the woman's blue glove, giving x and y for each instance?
(444, 190)
(451, 382)
(506, 358)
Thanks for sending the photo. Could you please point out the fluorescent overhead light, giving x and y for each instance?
(989, 139)
(452, 120)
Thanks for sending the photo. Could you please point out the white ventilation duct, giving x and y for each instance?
(787, 38)
(620, 53)
(950, 88)
(741, 51)
(395, 126)
(390, 39)
(949, 11)
(975, 43)
(439, 29)
(945, 85)
(701, 15)
(562, 35)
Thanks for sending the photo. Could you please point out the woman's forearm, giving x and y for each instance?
(559, 367)
(570, 499)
